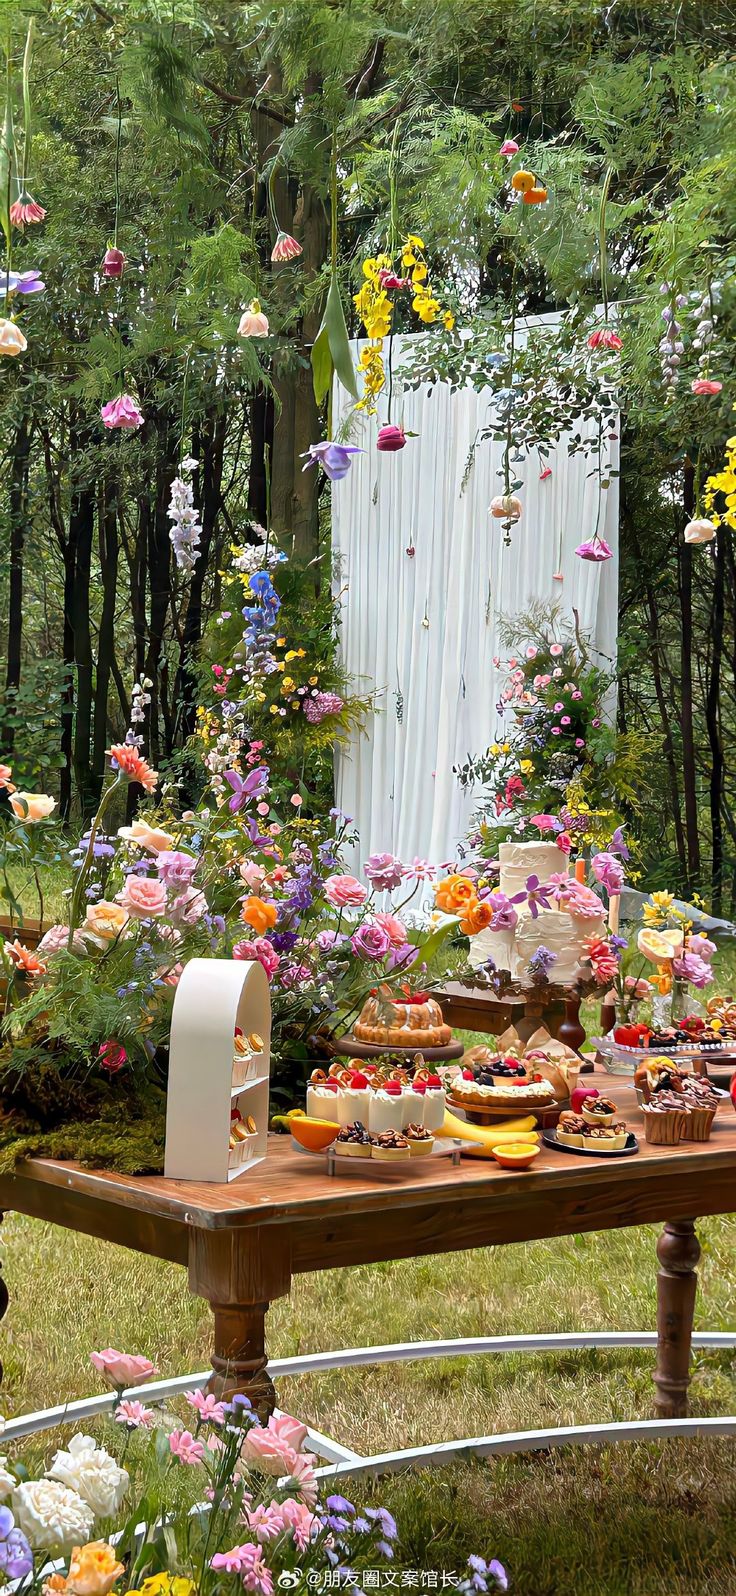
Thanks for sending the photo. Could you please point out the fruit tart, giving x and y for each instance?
(354, 1141)
(421, 1140)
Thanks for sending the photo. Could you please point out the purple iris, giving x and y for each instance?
(22, 282)
(246, 787)
(334, 458)
(16, 1559)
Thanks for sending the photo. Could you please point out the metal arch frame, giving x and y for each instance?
(342, 1461)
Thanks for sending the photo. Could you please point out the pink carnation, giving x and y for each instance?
(134, 1415)
(143, 898)
(247, 1561)
(345, 892)
(298, 1518)
(183, 1445)
(207, 1407)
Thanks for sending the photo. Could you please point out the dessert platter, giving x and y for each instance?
(693, 1037)
(591, 1127)
(564, 933)
(677, 1105)
(491, 1082)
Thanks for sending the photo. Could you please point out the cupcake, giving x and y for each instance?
(598, 1110)
(390, 1145)
(702, 1102)
(354, 1141)
(665, 1119)
(421, 1141)
(570, 1129)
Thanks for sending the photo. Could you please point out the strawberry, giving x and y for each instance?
(358, 1079)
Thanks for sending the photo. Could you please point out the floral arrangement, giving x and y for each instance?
(224, 1503)
(388, 274)
(672, 956)
(557, 749)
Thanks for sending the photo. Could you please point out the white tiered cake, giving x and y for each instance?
(564, 934)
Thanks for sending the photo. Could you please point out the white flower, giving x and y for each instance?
(92, 1472)
(7, 1480)
(50, 1515)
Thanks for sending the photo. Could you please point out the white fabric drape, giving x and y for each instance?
(423, 628)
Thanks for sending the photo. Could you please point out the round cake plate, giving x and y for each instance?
(349, 1048)
(482, 1116)
(549, 1137)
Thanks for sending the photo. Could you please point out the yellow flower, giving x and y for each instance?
(280, 643)
(301, 653)
(414, 241)
(419, 272)
(290, 654)
(288, 685)
(274, 709)
(313, 680)
(526, 766)
(448, 321)
(93, 1570)
(495, 750)
(663, 900)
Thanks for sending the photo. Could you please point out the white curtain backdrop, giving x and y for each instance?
(423, 628)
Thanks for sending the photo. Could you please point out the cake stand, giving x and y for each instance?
(348, 1047)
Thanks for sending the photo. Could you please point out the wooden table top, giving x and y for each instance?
(355, 1218)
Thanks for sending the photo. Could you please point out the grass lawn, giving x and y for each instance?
(628, 1521)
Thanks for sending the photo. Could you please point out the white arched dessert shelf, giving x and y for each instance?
(208, 1080)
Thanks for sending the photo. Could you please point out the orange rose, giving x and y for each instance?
(261, 916)
(455, 894)
(477, 918)
(93, 1570)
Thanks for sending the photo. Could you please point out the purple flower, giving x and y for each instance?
(702, 946)
(594, 549)
(384, 871)
(617, 844)
(384, 1520)
(334, 458)
(16, 1559)
(176, 869)
(283, 941)
(504, 913)
(370, 942)
(536, 895)
(323, 704)
(607, 869)
(246, 787)
(399, 957)
(540, 965)
(690, 967)
(22, 282)
(327, 940)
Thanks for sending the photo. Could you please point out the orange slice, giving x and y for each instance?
(314, 1134)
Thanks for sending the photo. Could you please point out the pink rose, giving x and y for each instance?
(292, 1431)
(395, 930)
(252, 874)
(189, 906)
(345, 892)
(143, 898)
(112, 1057)
(259, 950)
(122, 1369)
(704, 385)
(267, 1452)
(555, 650)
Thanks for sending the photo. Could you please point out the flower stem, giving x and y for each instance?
(86, 866)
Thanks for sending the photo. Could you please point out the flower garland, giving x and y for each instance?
(376, 308)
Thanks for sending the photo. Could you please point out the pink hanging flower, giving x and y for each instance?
(704, 385)
(121, 414)
(390, 439)
(183, 1445)
(285, 248)
(547, 472)
(595, 549)
(605, 339)
(25, 210)
(509, 147)
(253, 322)
(389, 279)
(113, 264)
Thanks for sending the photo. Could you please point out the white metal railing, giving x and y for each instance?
(342, 1460)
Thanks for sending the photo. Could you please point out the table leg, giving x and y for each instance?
(4, 1299)
(678, 1251)
(240, 1272)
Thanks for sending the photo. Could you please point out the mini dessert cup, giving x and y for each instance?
(420, 1140)
(601, 1111)
(698, 1124)
(664, 1127)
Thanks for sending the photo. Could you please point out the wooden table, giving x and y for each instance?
(243, 1242)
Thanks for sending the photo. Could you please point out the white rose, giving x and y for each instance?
(92, 1472)
(7, 1480)
(50, 1515)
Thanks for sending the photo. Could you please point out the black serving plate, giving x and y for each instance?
(549, 1137)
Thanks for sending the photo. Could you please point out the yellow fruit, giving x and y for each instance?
(492, 1136)
(314, 1134)
(523, 182)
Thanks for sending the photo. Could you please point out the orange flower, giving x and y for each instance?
(24, 959)
(455, 894)
(261, 916)
(477, 918)
(5, 775)
(133, 765)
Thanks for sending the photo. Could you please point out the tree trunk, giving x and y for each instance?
(685, 558)
(108, 550)
(18, 511)
(81, 532)
(713, 723)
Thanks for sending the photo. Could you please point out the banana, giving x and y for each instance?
(514, 1130)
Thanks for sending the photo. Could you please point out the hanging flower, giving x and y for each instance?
(704, 385)
(699, 532)
(253, 323)
(21, 282)
(389, 279)
(121, 414)
(25, 210)
(509, 147)
(594, 548)
(186, 528)
(505, 507)
(390, 439)
(12, 341)
(285, 248)
(334, 458)
(113, 264)
(605, 339)
(547, 472)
